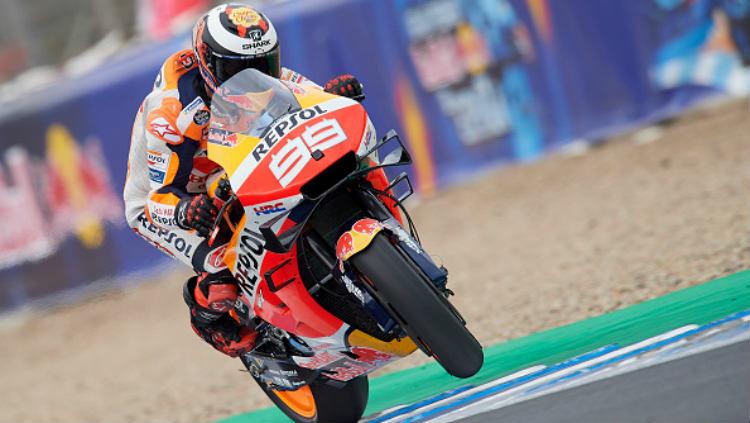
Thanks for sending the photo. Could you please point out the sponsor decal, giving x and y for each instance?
(168, 237)
(164, 221)
(156, 176)
(158, 163)
(158, 160)
(194, 105)
(250, 24)
(245, 17)
(67, 192)
(186, 60)
(283, 127)
(367, 361)
(369, 141)
(249, 258)
(293, 87)
(348, 370)
(367, 226)
(221, 137)
(165, 130)
(357, 239)
(256, 35)
(201, 117)
(256, 45)
(341, 367)
(345, 246)
(372, 357)
(353, 289)
(292, 159)
(162, 215)
(269, 209)
(215, 260)
(319, 360)
(403, 236)
(292, 76)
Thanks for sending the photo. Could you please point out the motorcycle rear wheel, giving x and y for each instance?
(420, 309)
(322, 403)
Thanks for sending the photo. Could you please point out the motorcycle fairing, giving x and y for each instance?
(351, 353)
(309, 149)
(296, 134)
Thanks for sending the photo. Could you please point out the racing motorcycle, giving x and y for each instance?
(332, 273)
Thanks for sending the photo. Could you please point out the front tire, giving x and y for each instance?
(323, 403)
(420, 309)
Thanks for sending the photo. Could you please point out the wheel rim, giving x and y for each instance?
(301, 401)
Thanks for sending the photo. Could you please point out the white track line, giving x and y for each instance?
(519, 374)
(495, 401)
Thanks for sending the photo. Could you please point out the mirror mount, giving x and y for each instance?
(397, 157)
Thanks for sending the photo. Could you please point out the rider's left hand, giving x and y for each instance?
(347, 86)
(198, 212)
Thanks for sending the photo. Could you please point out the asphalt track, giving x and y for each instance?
(695, 373)
(713, 386)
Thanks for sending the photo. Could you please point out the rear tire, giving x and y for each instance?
(322, 403)
(421, 310)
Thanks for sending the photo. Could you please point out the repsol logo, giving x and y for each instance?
(155, 158)
(250, 256)
(177, 243)
(286, 125)
(166, 221)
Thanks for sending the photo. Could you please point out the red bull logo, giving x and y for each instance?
(26, 238)
(357, 239)
(367, 226)
(69, 192)
(251, 102)
(345, 246)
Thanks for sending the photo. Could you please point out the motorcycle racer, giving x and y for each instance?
(169, 173)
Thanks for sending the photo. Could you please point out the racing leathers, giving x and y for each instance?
(168, 166)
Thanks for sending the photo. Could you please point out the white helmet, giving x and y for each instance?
(231, 38)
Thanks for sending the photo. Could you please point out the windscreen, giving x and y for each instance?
(247, 104)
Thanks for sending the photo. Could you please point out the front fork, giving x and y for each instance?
(386, 217)
(364, 231)
(358, 239)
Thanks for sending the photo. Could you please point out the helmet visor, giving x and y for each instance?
(226, 67)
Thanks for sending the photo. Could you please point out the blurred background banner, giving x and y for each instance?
(470, 84)
(159, 18)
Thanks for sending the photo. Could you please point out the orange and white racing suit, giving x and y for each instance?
(168, 160)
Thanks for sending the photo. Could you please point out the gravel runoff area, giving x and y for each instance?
(529, 248)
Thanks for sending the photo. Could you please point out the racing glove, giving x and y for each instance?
(227, 336)
(347, 86)
(197, 213)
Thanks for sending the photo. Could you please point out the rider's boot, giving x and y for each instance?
(210, 297)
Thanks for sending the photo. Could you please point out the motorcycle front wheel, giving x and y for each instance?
(421, 310)
(323, 403)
